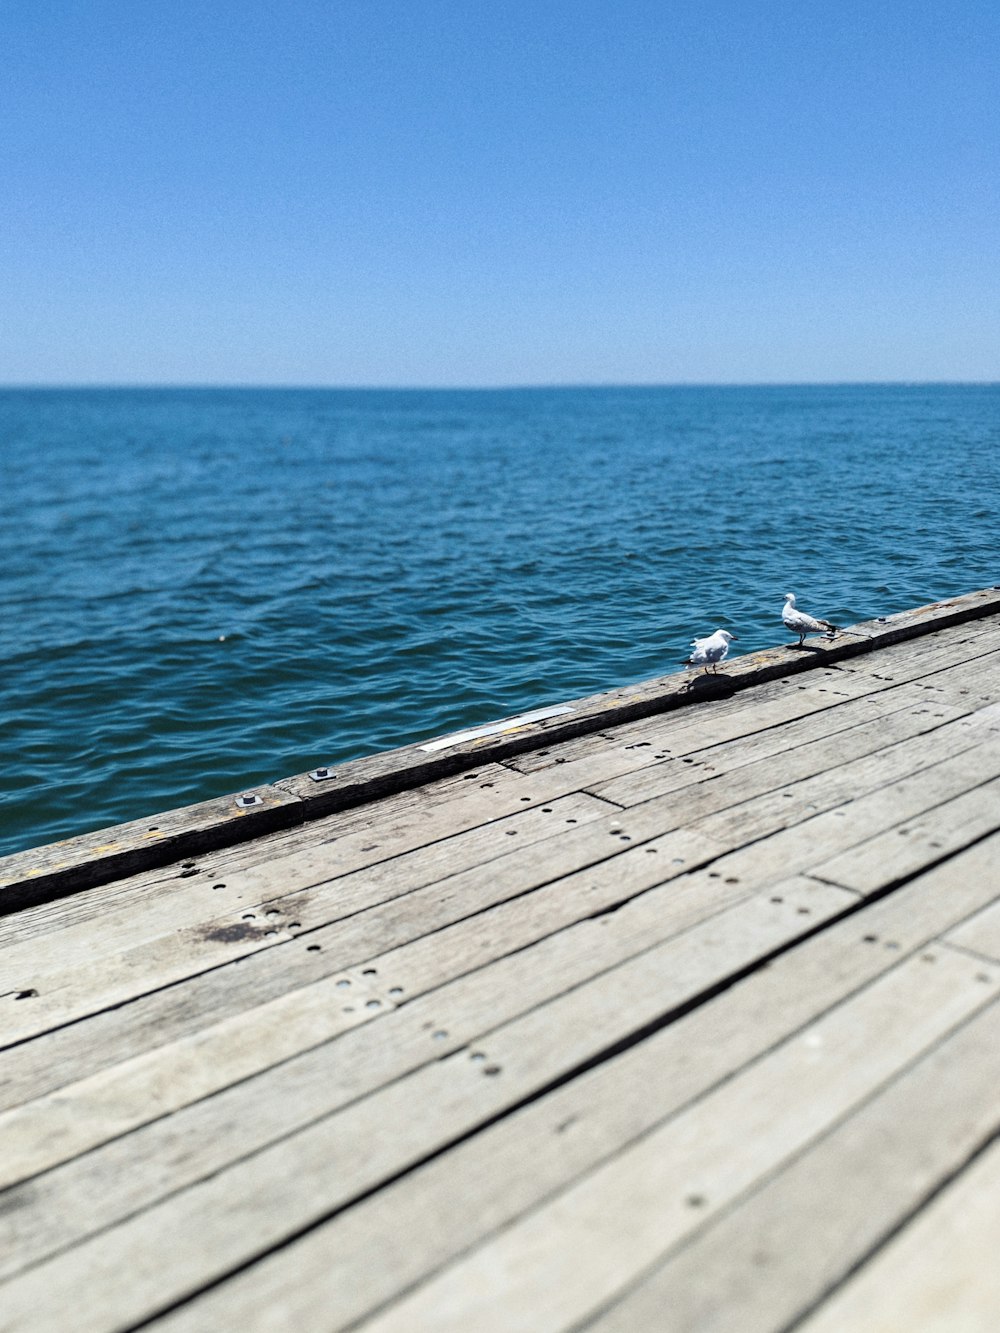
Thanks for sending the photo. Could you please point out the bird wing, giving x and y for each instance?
(800, 621)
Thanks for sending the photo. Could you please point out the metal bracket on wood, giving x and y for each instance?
(321, 774)
(248, 800)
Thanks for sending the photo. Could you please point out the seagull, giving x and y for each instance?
(802, 624)
(710, 651)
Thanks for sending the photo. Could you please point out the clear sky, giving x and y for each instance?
(479, 192)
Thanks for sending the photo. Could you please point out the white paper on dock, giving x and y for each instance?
(495, 728)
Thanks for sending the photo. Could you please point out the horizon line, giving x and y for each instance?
(290, 387)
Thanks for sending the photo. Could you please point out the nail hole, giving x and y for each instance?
(343, 983)
(370, 972)
(677, 861)
(294, 925)
(25, 994)
(891, 944)
(373, 1004)
(477, 1056)
(696, 1201)
(870, 939)
(249, 916)
(492, 1069)
(732, 879)
(395, 990)
(777, 900)
(570, 821)
(218, 886)
(440, 1034)
(546, 809)
(313, 948)
(803, 911)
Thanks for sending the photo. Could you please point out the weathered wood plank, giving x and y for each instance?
(914, 844)
(765, 1263)
(420, 1222)
(816, 840)
(129, 1271)
(118, 1099)
(44, 873)
(869, 712)
(981, 933)
(928, 654)
(428, 960)
(446, 811)
(407, 808)
(294, 1085)
(815, 781)
(566, 1259)
(74, 992)
(939, 1275)
(357, 928)
(193, 905)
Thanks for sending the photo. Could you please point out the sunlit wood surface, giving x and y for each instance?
(691, 1023)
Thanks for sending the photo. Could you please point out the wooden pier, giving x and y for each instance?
(677, 1009)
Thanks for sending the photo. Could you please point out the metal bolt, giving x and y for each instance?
(248, 799)
(319, 774)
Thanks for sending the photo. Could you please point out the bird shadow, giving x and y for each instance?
(711, 686)
(806, 648)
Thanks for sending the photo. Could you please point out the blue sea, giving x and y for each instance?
(203, 589)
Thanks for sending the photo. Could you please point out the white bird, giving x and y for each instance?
(711, 650)
(802, 624)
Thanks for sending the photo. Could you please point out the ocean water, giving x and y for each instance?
(204, 589)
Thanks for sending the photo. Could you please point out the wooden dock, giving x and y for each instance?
(675, 1009)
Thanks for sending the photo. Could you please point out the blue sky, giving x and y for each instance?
(479, 192)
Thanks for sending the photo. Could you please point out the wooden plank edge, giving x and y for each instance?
(56, 870)
(44, 874)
